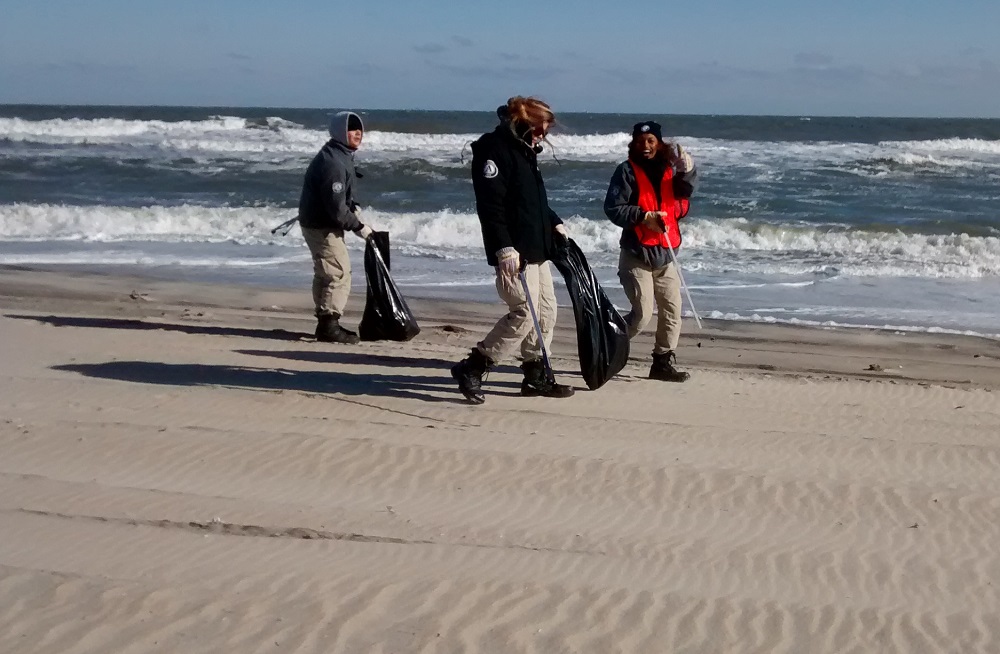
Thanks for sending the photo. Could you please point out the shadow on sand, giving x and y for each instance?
(130, 323)
(276, 379)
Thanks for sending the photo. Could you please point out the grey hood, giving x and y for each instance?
(338, 126)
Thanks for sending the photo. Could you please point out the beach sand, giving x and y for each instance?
(183, 469)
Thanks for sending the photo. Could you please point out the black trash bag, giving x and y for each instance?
(601, 332)
(386, 317)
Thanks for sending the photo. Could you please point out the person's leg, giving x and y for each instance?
(543, 294)
(331, 283)
(339, 263)
(667, 291)
(637, 282)
(537, 381)
(507, 334)
(316, 242)
(512, 329)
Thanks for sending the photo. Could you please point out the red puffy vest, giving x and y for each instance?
(673, 207)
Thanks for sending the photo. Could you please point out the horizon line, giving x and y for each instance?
(490, 111)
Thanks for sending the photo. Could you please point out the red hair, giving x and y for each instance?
(526, 115)
(530, 111)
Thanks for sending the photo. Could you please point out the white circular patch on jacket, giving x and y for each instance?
(490, 170)
(338, 187)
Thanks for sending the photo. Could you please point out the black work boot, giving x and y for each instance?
(469, 374)
(328, 330)
(663, 368)
(538, 384)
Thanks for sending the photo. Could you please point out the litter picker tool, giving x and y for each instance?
(285, 227)
(680, 275)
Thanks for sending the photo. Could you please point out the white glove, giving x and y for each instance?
(364, 232)
(684, 163)
(509, 262)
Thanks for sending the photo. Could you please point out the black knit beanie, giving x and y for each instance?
(647, 127)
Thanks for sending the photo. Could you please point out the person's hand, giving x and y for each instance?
(508, 262)
(560, 229)
(364, 232)
(684, 163)
(653, 221)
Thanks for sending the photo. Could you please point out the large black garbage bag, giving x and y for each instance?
(386, 317)
(601, 332)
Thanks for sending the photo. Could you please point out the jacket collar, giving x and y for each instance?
(503, 129)
(337, 145)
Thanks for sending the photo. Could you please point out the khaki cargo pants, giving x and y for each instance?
(516, 329)
(331, 270)
(644, 287)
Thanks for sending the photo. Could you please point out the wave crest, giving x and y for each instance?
(712, 245)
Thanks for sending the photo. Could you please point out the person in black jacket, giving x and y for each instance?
(327, 209)
(519, 233)
(647, 196)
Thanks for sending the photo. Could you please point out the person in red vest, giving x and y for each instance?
(647, 197)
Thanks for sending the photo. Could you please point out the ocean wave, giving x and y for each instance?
(804, 322)
(730, 245)
(274, 138)
(953, 145)
(144, 259)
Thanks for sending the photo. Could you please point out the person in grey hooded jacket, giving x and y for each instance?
(327, 209)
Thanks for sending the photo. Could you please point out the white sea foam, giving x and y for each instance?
(772, 320)
(731, 245)
(144, 259)
(277, 139)
(104, 224)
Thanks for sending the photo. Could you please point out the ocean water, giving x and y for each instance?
(807, 220)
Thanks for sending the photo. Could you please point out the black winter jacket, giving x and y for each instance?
(510, 197)
(327, 200)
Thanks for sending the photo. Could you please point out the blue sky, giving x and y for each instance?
(842, 58)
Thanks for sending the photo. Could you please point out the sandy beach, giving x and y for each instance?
(184, 469)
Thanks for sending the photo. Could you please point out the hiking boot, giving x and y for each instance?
(328, 330)
(663, 368)
(469, 374)
(537, 383)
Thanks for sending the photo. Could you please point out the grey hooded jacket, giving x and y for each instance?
(328, 200)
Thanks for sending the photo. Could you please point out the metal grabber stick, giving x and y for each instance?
(680, 275)
(286, 226)
(538, 328)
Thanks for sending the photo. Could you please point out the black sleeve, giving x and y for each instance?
(490, 171)
(619, 205)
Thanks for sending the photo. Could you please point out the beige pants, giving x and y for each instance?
(516, 329)
(645, 286)
(331, 270)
